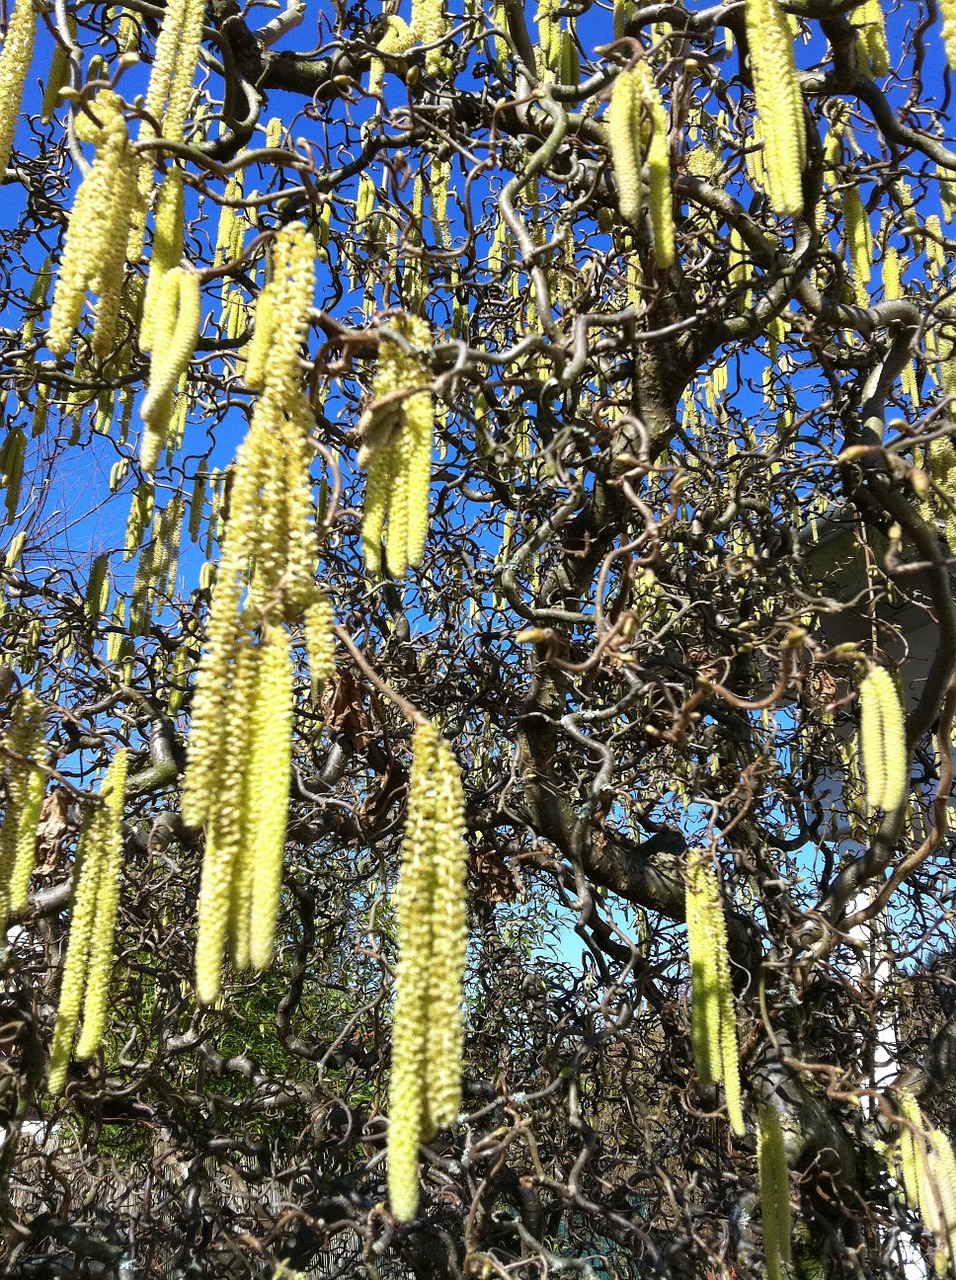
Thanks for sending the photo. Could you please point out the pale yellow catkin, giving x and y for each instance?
(109, 833)
(654, 138)
(713, 1018)
(623, 132)
(22, 760)
(425, 1089)
(859, 244)
(266, 800)
(167, 249)
(175, 334)
(947, 13)
(883, 742)
(15, 59)
(779, 102)
(428, 26)
(872, 40)
(397, 40)
(774, 1195)
(92, 921)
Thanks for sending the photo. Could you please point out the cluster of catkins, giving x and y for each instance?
(239, 768)
(430, 911)
(396, 450)
(928, 1169)
(24, 754)
(637, 125)
(713, 1021)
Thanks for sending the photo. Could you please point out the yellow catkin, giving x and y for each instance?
(397, 40)
(257, 357)
(15, 59)
(169, 92)
(95, 864)
(94, 255)
(397, 450)
(223, 900)
(947, 13)
(430, 917)
(174, 337)
(713, 1018)
(58, 76)
(911, 1159)
(24, 754)
(623, 133)
(779, 103)
(167, 249)
(883, 742)
(774, 1195)
(320, 641)
(942, 1172)
(109, 833)
(859, 244)
(428, 26)
(267, 790)
(654, 126)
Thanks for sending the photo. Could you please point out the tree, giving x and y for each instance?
(566, 395)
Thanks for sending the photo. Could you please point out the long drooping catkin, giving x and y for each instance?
(167, 249)
(397, 451)
(266, 799)
(175, 332)
(774, 1195)
(883, 742)
(779, 102)
(237, 777)
(85, 983)
(24, 753)
(622, 121)
(713, 1021)
(430, 909)
(15, 59)
(94, 256)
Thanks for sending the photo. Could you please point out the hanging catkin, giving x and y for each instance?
(175, 332)
(883, 742)
(397, 430)
(622, 121)
(430, 918)
(774, 1195)
(94, 256)
(779, 103)
(947, 13)
(713, 1021)
(167, 249)
(23, 755)
(15, 59)
(237, 777)
(86, 972)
